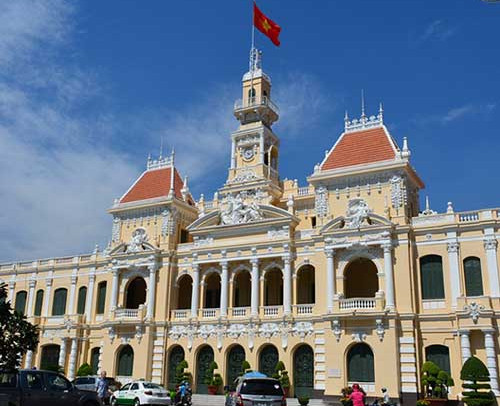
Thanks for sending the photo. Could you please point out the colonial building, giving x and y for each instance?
(343, 279)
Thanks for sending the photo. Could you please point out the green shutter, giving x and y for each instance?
(94, 360)
(473, 278)
(21, 302)
(126, 361)
(431, 275)
(440, 355)
(59, 304)
(38, 302)
(101, 297)
(82, 297)
(50, 356)
(360, 365)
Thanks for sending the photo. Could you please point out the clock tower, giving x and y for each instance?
(254, 146)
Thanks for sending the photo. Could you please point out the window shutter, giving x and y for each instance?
(440, 355)
(473, 278)
(39, 302)
(59, 304)
(21, 302)
(360, 365)
(431, 275)
(82, 298)
(101, 298)
(94, 360)
(126, 361)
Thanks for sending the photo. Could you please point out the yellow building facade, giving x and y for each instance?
(344, 280)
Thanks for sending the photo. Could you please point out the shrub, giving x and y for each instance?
(303, 400)
(245, 366)
(474, 371)
(423, 402)
(84, 370)
(435, 381)
(180, 374)
(211, 379)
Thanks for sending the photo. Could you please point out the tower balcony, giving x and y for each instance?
(262, 105)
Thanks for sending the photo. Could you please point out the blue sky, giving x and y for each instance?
(88, 89)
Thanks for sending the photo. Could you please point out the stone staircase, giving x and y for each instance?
(219, 400)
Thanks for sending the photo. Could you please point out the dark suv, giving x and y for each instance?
(259, 392)
(29, 387)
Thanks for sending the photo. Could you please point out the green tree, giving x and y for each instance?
(180, 374)
(84, 370)
(18, 335)
(474, 371)
(435, 381)
(209, 376)
(245, 367)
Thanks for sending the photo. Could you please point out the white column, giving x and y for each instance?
(389, 277)
(491, 359)
(31, 296)
(62, 354)
(12, 287)
(454, 272)
(261, 147)
(490, 246)
(195, 292)
(465, 345)
(72, 358)
(46, 299)
(224, 289)
(29, 359)
(72, 294)
(114, 290)
(330, 279)
(287, 285)
(90, 298)
(151, 292)
(233, 155)
(255, 287)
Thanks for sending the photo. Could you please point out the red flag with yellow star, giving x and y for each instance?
(266, 26)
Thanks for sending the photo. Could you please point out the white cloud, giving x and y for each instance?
(457, 113)
(437, 30)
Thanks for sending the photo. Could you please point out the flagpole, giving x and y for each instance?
(252, 56)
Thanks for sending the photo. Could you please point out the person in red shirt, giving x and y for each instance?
(357, 396)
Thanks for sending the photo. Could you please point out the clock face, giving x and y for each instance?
(248, 153)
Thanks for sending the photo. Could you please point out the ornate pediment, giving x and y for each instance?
(138, 243)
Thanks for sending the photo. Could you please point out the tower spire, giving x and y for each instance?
(363, 115)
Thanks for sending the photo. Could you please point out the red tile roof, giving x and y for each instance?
(153, 183)
(360, 147)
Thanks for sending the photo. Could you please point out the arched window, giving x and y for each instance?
(273, 288)
(21, 302)
(361, 279)
(303, 371)
(184, 292)
(235, 358)
(212, 291)
(38, 302)
(268, 358)
(360, 365)
(306, 293)
(431, 275)
(473, 278)
(50, 356)
(101, 297)
(94, 360)
(125, 361)
(136, 293)
(242, 287)
(82, 299)
(203, 360)
(175, 356)
(440, 355)
(59, 303)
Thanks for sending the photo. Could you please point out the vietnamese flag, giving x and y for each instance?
(266, 26)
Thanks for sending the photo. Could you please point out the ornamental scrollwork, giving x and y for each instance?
(136, 243)
(238, 212)
(303, 329)
(358, 213)
(321, 201)
(474, 310)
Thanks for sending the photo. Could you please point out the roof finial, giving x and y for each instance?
(161, 147)
(427, 205)
(363, 115)
(381, 112)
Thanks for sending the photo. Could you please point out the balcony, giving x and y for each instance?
(180, 314)
(129, 314)
(360, 304)
(240, 311)
(209, 313)
(303, 309)
(256, 102)
(272, 311)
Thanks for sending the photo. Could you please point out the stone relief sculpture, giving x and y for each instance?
(237, 212)
(139, 237)
(358, 213)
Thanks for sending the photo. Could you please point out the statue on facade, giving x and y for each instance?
(237, 212)
(357, 214)
(139, 237)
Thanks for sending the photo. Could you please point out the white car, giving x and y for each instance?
(138, 393)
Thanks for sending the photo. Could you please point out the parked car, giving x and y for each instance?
(88, 383)
(140, 393)
(258, 392)
(29, 387)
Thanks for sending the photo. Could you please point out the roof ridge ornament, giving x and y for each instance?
(161, 162)
(364, 122)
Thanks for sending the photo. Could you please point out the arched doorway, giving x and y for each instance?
(306, 287)
(268, 358)
(303, 371)
(136, 293)
(175, 357)
(273, 288)
(212, 291)
(125, 361)
(361, 279)
(94, 360)
(242, 288)
(184, 292)
(440, 355)
(360, 364)
(203, 360)
(50, 357)
(235, 358)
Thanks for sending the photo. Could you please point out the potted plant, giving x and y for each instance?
(214, 381)
(281, 374)
(344, 400)
(303, 400)
(474, 371)
(423, 402)
(180, 374)
(436, 383)
(245, 367)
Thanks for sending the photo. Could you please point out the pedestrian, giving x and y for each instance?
(102, 387)
(385, 397)
(357, 396)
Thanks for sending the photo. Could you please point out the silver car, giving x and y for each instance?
(259, 392)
